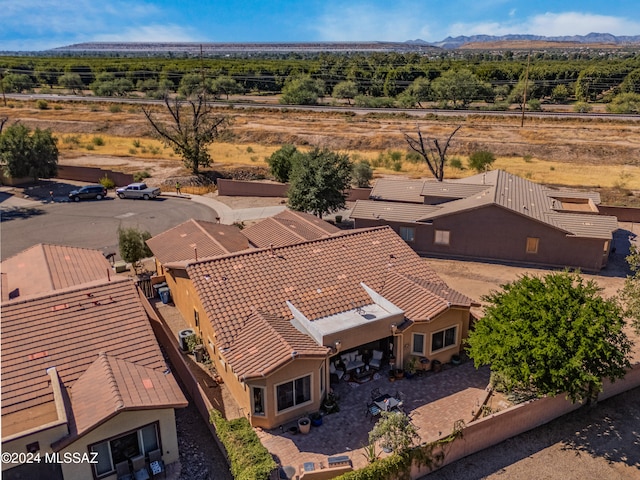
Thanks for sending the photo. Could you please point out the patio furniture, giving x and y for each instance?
(376, 359)
(352, 360)
(338, 372)
(373, 410)
(375, 393)
(123, 471)
(139, 465)
(387, 403)
(156, 464)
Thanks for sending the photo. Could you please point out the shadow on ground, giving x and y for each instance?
(18, 213)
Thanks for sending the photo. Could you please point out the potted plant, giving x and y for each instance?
(330, 404)
(304, 425)
(410, 371)
(455, 359)
(316, 419)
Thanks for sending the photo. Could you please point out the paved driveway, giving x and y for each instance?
(91, 223)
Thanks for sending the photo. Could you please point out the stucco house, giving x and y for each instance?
(277, 321)
(493, 216)
(85, 387)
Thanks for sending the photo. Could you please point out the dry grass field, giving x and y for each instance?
(592, 153)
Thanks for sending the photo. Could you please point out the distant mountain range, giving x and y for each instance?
(449, 43)
(599, 38)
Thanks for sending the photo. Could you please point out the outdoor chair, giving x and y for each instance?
(376, 359)
(375, 393)
(156, 464)
(140, 471)
(123, 471)
(373, 410)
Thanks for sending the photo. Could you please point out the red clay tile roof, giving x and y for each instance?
(288, 227)
(276, 345)
(57, 267)
(421, 300)
(320, 278)
(67, 329)
(111, 385)
(210, 239)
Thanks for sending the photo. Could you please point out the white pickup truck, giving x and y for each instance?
(138, 190)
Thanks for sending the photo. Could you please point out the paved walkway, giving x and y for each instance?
(227, 214)
(434, 401)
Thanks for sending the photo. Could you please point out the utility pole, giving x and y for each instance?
(4, 98)
(526, 86)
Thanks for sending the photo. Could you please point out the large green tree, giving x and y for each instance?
(24, 153)
(318, 182)
(191, 129)
(552, 334)
(302, 90)
(458, 87)
(630, 293)
(132, 245)
(282, 160)
(347, 89)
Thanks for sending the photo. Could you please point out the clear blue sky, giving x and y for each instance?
(29, 25)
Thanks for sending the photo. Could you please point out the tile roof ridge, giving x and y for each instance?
(286, 227)
(105, 361)
(256, 251)
(114, 280)
(305, 220)
(431, 286)
(211, 237)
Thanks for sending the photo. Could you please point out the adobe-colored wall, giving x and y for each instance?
(239, 188)
(92, 175)
(624, 214)
(494, 233)
(498, 427)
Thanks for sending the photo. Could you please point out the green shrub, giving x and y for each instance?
(90, 146)
(136, 143)
(481, 160)
(250, 460)
(115, 108)
(133, 151)
(71, 140)
(57, 106)
(107, 183)
(456, 163)
(42, 104)
(140, 176)
(582, 107)
(97, 141)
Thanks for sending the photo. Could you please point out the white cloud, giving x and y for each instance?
(364, 22)
(551, 24)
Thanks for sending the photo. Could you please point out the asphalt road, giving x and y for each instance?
(93, 223)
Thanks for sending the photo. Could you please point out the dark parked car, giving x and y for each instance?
(89, 191)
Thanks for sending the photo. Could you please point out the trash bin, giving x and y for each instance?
(182, 338)
(158, 286)
(198, 353)
(165, 294)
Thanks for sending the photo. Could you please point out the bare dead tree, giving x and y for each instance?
(192, 128)
(430, 149)
(3, 120)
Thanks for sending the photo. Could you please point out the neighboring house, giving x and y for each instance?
(44, 267)
(82, 373)
(286, 228)
(197, 239)
(493, 216)
(277, 321)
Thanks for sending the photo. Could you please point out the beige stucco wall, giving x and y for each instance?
(124, 422)
(121, 423)
(458, 317)
(44, 438)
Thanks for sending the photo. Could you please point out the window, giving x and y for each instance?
(408, 234)
(532, 244)
(258, 400)
(119, 449)
(196, 317)
(441, 237)
(417, 347)
(293, 393)
(444, 338)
